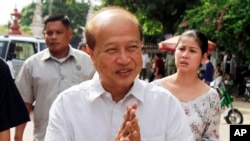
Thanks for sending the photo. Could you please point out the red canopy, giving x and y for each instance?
(170, 44)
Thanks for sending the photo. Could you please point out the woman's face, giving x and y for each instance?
(188, 55)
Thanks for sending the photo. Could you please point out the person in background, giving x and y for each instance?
(158, 68)
(170, 66)
(82, 47)
(242, 73)
(12, 108)
(145, 63)
(217, 68)
(229, 83)
(44, 75)
(230, 65)
(12, 70)
(94, 110)
(219, 60)
(11, 55)
(200, 102)
(218, 79)
(209, 71)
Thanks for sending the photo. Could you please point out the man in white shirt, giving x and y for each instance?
(94, 110)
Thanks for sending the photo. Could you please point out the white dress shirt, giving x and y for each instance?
(86, 112)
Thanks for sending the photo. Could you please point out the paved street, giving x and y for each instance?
(241, 105)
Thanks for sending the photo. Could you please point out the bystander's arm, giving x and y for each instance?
(5, 135)
(19, 130)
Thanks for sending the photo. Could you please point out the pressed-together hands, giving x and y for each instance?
(129, 130)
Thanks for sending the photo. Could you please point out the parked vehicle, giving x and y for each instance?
(18, 48)
(231, 114)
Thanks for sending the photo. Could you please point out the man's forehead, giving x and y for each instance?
(55, 24)
(113, 20)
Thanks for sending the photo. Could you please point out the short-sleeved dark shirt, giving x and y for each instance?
(12, 108)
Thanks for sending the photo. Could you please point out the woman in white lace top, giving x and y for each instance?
(200, 102)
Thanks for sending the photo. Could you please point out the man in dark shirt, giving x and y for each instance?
(12, 108)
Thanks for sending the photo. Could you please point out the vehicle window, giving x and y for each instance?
(21, 50)
(3, 47)
(42, 46)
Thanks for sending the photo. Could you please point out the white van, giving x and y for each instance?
(18, 48)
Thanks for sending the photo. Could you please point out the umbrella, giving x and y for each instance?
(170, 44)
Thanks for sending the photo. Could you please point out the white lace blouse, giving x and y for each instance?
(203, 115)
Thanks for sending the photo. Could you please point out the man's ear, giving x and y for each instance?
(89, 51)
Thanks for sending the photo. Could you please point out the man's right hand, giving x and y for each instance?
(130, 130)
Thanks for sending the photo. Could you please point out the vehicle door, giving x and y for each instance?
(19, 51)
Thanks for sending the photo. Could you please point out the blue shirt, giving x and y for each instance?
(209, 72)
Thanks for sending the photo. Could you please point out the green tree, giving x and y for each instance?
(226, 22)
(27, 15)
(157, 17)
(26, 20)
(77, 12)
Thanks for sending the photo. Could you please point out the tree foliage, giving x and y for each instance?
(226, 22)
(157, 17)
(27, 15)
(77, 12)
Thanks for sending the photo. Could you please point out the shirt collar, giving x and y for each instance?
(47, 55)
(137, 89)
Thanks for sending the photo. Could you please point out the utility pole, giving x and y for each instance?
(50, 6)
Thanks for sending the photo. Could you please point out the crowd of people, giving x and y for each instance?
(227, 70)
(99, 91)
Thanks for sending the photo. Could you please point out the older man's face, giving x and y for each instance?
(117, 53)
